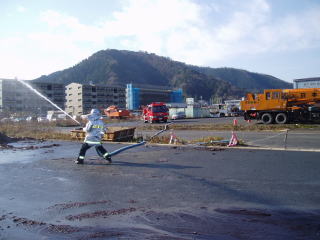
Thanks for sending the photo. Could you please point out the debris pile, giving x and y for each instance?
(4, 139)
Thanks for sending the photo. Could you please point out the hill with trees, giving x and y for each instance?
(119, 67)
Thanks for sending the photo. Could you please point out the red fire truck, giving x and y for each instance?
(155, 112)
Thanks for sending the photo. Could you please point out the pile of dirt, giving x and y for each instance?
(4, 139)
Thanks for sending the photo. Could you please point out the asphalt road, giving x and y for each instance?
(159, 193)
(293, 140)
(189, 121)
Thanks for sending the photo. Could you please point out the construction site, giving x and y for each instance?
(160, 120)
(237, 177)
(189, 182)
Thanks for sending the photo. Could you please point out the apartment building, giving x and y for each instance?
(307, 82)
(142, 95)
(16, 97)
(81, 98)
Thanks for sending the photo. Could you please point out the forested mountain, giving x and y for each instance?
(244, 79)
(119, 67)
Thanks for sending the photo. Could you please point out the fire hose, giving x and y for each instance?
(140, 143)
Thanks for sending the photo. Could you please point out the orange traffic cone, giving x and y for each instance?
(173, 138)
(235, 122)
(233, 140)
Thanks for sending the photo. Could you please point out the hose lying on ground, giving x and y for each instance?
(140, 143)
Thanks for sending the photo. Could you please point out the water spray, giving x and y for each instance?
(47, 99)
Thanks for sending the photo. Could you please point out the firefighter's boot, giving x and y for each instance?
(79, 160)
(107, 157)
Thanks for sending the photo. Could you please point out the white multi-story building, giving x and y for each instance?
(81, 98)
(307, 83)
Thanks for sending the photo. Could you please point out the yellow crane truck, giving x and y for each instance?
(282, 105)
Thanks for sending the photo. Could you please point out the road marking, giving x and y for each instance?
(242, 147)
(280, 149)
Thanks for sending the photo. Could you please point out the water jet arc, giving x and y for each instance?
(47, 99)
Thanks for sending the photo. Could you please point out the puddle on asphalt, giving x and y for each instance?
(33, 150)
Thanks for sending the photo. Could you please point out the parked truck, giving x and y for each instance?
(53, 116)
(218, 110)
(117, 113)
(155, 112)
(283, 105)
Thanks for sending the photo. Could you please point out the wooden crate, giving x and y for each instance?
(77, 134)
(114, 134)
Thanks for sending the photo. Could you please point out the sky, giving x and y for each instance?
(276, 37)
